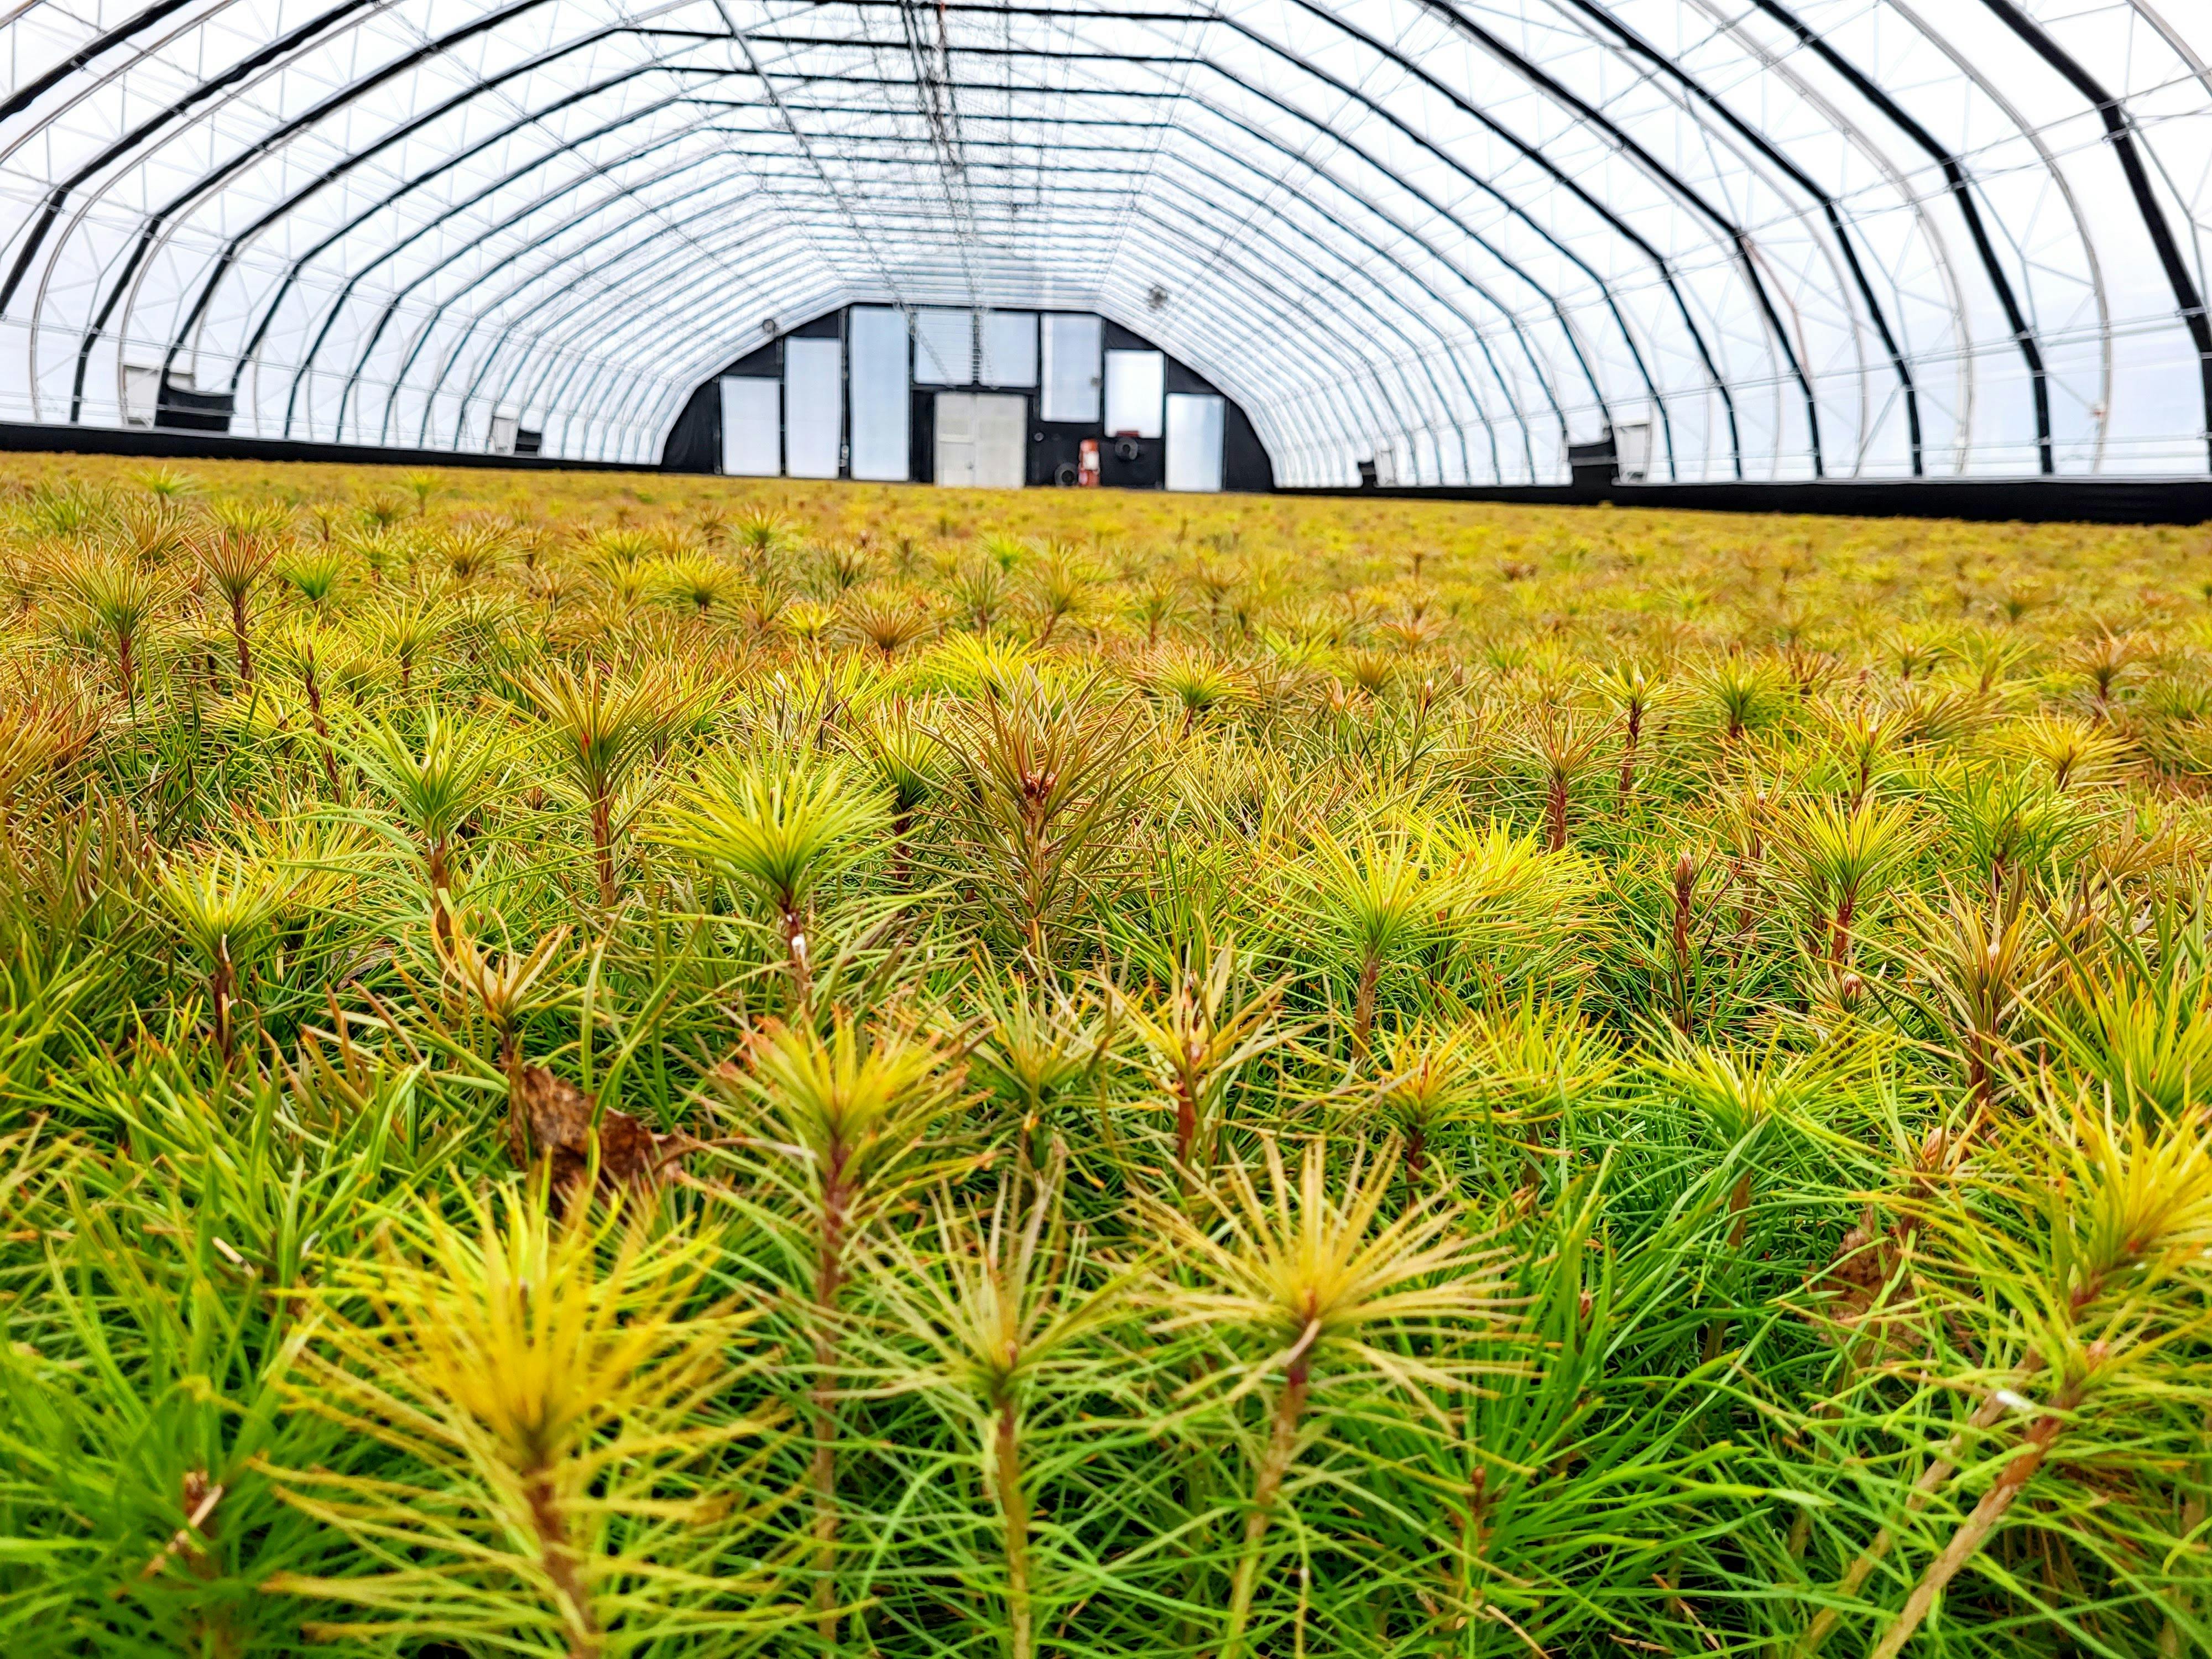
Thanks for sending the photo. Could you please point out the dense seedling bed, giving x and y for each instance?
(600, 1066)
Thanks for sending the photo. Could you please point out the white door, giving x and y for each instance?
(1195, 421)
(980, 441)
(956, 439)
(1069, 391)
(1001, 454)
(1135, 382)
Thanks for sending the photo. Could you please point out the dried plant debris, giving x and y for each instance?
(565, 1129)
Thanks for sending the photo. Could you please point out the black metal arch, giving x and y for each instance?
(1635, 43)
(1220, 181)
(1255, 134)
(697, 39)
(2119, 132)
(1325, 326)
(1961, 189)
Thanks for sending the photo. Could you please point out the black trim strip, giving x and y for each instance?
(2014, 501)
(1977, 501)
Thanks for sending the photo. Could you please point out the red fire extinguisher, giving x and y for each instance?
(1086, 464)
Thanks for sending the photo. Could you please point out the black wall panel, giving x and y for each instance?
(695, 441)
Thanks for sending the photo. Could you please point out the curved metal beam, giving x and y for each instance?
(2119, 132)
(1256, 134)
(1954, 177)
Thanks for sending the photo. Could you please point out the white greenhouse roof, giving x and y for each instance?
(1796, 238)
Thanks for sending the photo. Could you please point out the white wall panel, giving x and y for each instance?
(877, 393)
(813, 407)
(752, 427)
(1194, 426)
(1135, 381)
(1009, 342)
(943, 347)
(1072, 370)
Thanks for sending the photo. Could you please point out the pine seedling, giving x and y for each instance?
(1838, 859)
(1048, 779)
(1741, 691)
(552, 1392)
(2104, 660)
(601, 729)
(1375, 892)
(234, 561)
(123, 598)
(1740, 1096)
(778, 828)
(846, 1120)
(1429, 1080)
(2081, 1245)
(1633, 693)
(410, 625)
(309, 648)
(888, 621)
(994, 1312)
(506, 987)
(1312, 1285)
(1038, 1048)
(2072, 752)
(223, 901)
(805, 622)
(762, 533)
(1195, 684)
(314, 574)
(437, 786)
(1196, 1040)
(1982, 966)
(1561, 744)
(699, 580)
(896, 740)
(980, 590)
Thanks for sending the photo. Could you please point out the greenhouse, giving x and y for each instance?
(1842, 240)
(1307, 830)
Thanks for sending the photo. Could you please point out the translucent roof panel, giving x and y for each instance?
(1794, 238)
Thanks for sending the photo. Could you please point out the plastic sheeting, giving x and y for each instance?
(1798, 238)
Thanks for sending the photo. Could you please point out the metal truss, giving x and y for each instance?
(1801, 239)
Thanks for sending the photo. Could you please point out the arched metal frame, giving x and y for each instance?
(1801, 239)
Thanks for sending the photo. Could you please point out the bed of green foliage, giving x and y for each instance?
(609, 1065)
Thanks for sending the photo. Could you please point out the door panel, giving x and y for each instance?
(981, 441)
(876, 391)
(956, 439)
(1001, 434)
(1194, 423)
